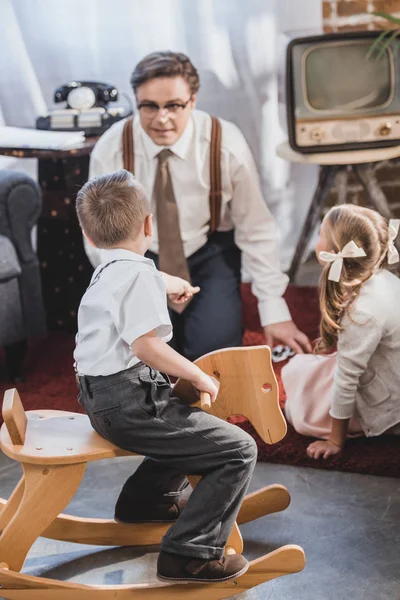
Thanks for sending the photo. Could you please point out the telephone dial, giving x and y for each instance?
(87, 108)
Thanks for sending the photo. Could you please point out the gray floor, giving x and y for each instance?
(348, 525)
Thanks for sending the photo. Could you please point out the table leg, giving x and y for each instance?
(341, 185)
(376, 197)
(327, 176)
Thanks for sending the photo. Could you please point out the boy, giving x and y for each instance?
(121, 355)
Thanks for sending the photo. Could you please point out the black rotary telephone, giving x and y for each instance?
(87, 108)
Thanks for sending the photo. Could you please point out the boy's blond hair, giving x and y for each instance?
(112, 208)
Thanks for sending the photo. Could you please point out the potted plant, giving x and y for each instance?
(383, 41)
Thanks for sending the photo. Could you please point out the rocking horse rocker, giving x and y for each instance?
(54, 446)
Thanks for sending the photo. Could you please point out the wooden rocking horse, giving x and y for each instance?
(54, 447)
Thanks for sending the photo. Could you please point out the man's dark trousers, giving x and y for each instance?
(213, 319)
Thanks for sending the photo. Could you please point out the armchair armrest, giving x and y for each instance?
(20, 207)
(9, 266)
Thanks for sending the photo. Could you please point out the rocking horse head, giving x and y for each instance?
(248, 387)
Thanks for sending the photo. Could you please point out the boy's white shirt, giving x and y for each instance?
(368, 357)
(124, 301)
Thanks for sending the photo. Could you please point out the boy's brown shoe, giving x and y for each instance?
(181, 569)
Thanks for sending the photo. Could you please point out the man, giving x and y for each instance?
(200, 236)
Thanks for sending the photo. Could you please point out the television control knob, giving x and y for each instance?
(317, 134)
(385, 129)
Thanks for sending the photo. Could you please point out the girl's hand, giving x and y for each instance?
(323, 448)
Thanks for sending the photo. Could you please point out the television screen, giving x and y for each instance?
(340, 77)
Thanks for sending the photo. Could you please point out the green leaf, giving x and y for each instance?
(386, 16)
(377, 43)
(388, 42)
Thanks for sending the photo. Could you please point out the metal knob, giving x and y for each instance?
(385, 129)
(317, 134)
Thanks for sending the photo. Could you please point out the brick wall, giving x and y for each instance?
(350, 15)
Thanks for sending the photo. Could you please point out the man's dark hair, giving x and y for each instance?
(165, 64)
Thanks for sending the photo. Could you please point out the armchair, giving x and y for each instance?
(21, 307)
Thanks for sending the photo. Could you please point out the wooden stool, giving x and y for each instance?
(336, 166)
(54, 447)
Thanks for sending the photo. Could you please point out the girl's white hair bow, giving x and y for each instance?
(393, 255)
(350, 250)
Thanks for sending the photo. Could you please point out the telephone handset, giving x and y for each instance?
(83, 95)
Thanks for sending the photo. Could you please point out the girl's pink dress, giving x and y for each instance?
(308, 382)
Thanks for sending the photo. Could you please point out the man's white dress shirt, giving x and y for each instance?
(243, 207)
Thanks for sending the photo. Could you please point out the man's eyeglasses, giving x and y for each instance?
(150, 109)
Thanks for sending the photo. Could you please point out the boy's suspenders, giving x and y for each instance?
(215, 196)
(95, 279)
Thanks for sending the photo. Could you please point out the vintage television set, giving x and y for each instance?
(339, 95)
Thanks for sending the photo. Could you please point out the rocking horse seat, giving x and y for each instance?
(53, 437)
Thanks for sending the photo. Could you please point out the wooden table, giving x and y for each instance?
(65, 268)
(335, 167)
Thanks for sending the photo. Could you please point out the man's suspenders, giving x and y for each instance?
(215, 174)
(215, 196)
(127, 146)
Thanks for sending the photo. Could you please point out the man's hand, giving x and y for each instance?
(287, 334)
(323, 448)
(179, 290)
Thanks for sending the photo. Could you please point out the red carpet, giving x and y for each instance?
(50, 383)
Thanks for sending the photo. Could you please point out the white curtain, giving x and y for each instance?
(236, 45)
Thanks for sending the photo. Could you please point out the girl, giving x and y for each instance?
(356, 391)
